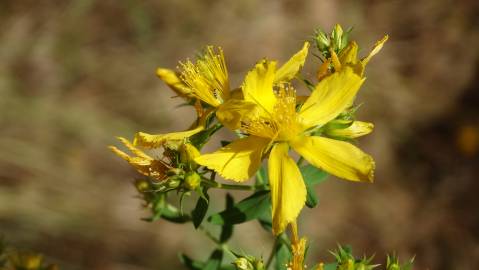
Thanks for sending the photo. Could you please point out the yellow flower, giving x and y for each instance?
(172, 79)
(347, 129)
(208, 77)
(349, 57)
(157, 140)
(207, 80)
(276, 125)
(142, 162)
(233, 111)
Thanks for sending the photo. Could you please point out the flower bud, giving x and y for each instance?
(337, 38)
(243, 264)
(188, 153)
(259, 265)
(174, 172)
(322, 40)
(192, 180)
(174, 183)
(172, 79)
(172, 145)
(142, 185)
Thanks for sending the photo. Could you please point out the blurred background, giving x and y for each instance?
(74, 74)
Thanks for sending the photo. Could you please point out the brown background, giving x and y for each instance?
(73, 74)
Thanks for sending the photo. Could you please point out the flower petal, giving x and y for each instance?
(238, 160)
(355, 130)
(377, 47)
(233, 111)
(331, 96)
(288, 191)
(143, 163)
(173, 80)
(258, 85)
(336, 157)
(289, 70)
(349, 54)
(153, 141)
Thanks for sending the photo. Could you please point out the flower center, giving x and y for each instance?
(280, 125)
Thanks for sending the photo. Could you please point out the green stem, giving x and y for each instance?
(226, 249)
(212, 184)
(259, 178)
(209, 235)
(223, 246)
(271, 255)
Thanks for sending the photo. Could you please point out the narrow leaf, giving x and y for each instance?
(199, 212)
(311, 197)
(190, 263)
(248, 209)
(331, 266)
(312, 176)
(227, 229)
(261, 177)
(214, 262)
(283, 256)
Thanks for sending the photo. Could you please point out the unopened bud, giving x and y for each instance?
(360, 266)
(192, 180)
(174, 172)
(350, 264)
(243, 264)
(142, 185)
(337, 37)
(259, 265)
(174, 183)
(322, 40)
(172, 145)
(188, 153)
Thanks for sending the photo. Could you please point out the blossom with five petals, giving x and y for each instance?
(277, 124)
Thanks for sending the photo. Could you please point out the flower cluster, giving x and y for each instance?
(269, 119)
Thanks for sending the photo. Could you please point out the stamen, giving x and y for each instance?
(282, 124)
(208, 78)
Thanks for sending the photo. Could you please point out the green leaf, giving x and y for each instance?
(190, 263)
(282, 255)
(199, 212)
(172, 214)
(201, 138)
(331, 266)
(311, 197)
(227, 229)
(162, 209)
(266, 221)
(248, 209)
(214, 262)
(312, 176)
(228, 267)
(261, 177)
